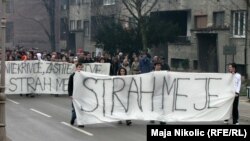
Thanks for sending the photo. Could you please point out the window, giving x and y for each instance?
(85, 1)
(218, 19)
(63, 7)
(176, 63)
(10, 6)
(201, 21)
(9, 32)
(239, 23)
(108, 2)
(180, 63)
(72, 25)
(86, 28)
(79, 24)
(72, 2)
(78, 2)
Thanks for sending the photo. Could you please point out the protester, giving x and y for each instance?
(125, 65)
(88, 59)
(135, 67)
(114, 66)
(122, 71)
(79, 67)
(24, 56)
(145, 63)
(102, 60)
(157, 67)
(232, 68)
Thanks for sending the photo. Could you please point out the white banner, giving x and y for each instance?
(162, 96)
(44, 77)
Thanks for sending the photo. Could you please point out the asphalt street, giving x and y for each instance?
(46, 117)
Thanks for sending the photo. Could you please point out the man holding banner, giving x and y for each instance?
(79, 67)
(232, 68)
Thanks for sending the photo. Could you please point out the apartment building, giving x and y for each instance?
(83, 19)
(79, 24)
(215, 33)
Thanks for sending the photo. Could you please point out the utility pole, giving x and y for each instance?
(2, 84)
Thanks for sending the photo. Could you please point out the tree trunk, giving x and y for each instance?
(52, 26)
(144, 39)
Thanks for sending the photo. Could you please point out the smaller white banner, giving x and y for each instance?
(44, 77)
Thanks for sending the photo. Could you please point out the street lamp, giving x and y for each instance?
(2, 84)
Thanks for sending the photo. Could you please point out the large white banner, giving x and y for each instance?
(44, 77)
(162, 96)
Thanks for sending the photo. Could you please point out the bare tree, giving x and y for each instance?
(139, 9)
(50, 6)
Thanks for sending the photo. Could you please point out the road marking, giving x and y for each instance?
(80, 130)
(41, 113)
(13, 101)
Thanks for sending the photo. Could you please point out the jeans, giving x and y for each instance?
(73, 115)
(235, 110)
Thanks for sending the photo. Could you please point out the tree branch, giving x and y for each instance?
(38, 22)
(150, 9)
(125, 2)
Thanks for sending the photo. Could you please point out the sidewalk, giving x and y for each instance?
(244, 108)
(244, 99)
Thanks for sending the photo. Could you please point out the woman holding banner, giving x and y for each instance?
(122, 71)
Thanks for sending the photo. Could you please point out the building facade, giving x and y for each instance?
(213, 32)
(79, 25)
(216, 31)
(84, 16)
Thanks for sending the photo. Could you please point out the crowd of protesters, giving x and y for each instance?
(134, 64)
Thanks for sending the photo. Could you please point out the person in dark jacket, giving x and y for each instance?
(79, 67)
(145, 64)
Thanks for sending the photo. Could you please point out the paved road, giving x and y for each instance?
(47, 117)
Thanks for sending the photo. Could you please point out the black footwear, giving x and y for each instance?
(82, 126)
(72, 122)
(163, 123)
(225, 121)
(128, 122)
(152, 121)
(236, 123)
